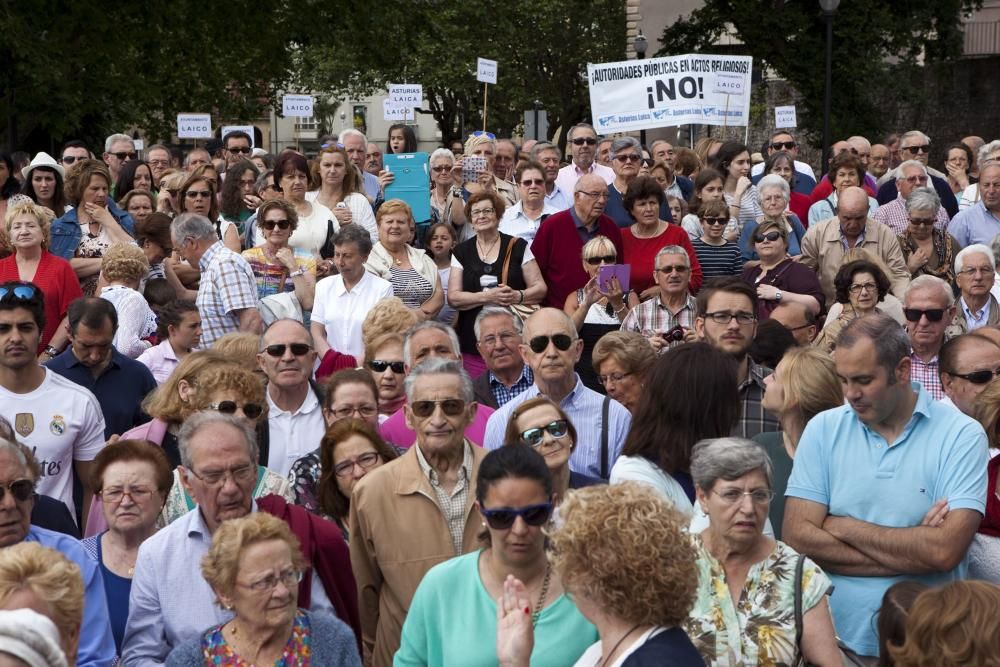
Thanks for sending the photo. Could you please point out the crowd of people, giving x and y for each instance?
(630, 406)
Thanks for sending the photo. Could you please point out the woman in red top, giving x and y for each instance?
(782, 164)
(27, 226)
(985, 547)
(645, 238)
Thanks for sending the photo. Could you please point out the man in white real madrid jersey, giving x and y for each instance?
(59, 420)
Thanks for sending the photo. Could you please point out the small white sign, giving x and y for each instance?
(486, 71)
(784, 116)
(396, 111)
(194, 126)
(409, 94)
(139, 144)
(300, 106)
(729, 84)
(226, 129)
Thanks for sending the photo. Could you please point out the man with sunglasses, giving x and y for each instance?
(552, 349)
(582, 142)
(967, 364)
(797, 318)
(118, 149)
(667, 320)
(911, 176)
(783, 140)
(237, 146)
(915, 145)
(975, 273)
(890, 486)
(73, 151)
(415, 512)
(929, 306)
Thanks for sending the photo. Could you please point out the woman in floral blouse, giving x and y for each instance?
(745, 610)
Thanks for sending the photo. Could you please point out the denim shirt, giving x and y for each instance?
(66, 234)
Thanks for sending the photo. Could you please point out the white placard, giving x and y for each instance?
(409, 94)
(299, 106)
(396, 111)
(664, 92)
(730, 84)
(226, 129)
(139, 144)
(486, 71)
(785, 117)
(194, 126)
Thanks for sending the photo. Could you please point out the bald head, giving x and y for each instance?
(590, 183)
(853, 199)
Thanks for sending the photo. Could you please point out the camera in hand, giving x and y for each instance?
(674, 335)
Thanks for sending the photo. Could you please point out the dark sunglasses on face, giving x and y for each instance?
(715, 221)
(269, 225)
(631, 157)
(278, 349)
(126, 156)
(240, 149)
(584, 140)
(534, 436)
(786, 145)
(922, 222)
(20, 489)
(913, 150)
(503, 519)
(770, 236)
(70, 159)
(914, 314)
(597, 259)
(539, 344)
(251, 410)
(379, 366)
(452, 407)
(978, 377)
(197, 194)
(528, 182)
(678, 268)
(440, 170)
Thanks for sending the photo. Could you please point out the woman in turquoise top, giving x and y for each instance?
(453, 616)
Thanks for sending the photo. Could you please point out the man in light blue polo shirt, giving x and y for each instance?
(980, 223)
(890, 487)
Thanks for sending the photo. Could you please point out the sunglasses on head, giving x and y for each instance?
(451, 407)
(20, 489)
(251, 410)
(539, 344)
(269, 225)
(379, 366)
(580, 141)
(770, 236)
(278, 349)
(597, 259)
(503, 519)
(534, 436)
(481, 133)
(978, 377)
(914, 314)
(19, 291)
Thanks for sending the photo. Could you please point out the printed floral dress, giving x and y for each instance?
(297, 653)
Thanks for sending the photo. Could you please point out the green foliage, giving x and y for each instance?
(874, 43)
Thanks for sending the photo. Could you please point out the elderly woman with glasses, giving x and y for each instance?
(773, 195)
(626, 161)
(927, 250)
(622, 360)
(744, 612)
(860, 286)
(275, 264)
(776, 276)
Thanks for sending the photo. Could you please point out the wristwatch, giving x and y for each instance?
(777, 295)
(51, 351)
(299, 272)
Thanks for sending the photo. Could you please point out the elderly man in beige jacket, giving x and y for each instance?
(826, 242)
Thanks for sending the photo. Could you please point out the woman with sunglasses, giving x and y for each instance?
(927, 250)
(860, 287)
(384, 359)
(444, 208)
(545, 427)
(717, 255)
(777, 277)
(197, 195)
(277, 266)
(341, 190)
(455, 605)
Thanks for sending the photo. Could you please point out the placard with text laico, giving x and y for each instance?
(676, 90)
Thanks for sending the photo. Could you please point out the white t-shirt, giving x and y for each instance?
(341, 312)
(292, 435)
(61, 422)
(310, 234)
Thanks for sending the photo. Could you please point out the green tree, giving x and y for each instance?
(876, 44)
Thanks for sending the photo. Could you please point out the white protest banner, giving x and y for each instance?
(671, 91)
(226, 129)
(298, 106)
(396, 111)
(194, 126)
(486, 71)
(784, 116)
(409, 94)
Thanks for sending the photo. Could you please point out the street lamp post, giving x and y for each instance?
(829, 8)
(640, 45)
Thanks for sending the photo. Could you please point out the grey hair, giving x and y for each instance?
(892, 344)
(11, 446)
(542, 146)
(429, 324)
(263, 344)
(442, 153)
(354, 234)
(861, 140)
(265, 179)
(351, 132)
(497, 311)
(907, 164)
(652, 146)
(199, 420)
(923, 199)
(621, 143)
(973, 249)
(114, 139)
(438, 366)
(192, 226)
(927, 281)
(774, 182)
(672, 250)
(586, 126)
(579, 184)
(995, 245)
(914, 133)
(196, 149)
(778, 133)
(987, 150)
(729, 459)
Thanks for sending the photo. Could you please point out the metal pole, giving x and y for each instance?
(828, 99)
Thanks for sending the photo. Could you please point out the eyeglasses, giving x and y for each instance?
(482, 211)
(269, 225)
(913, 150)
(20, 489)
(597, 259)
(278, 349)
(379, 366)
(528, 182)
(758, 496)
(159, 163)
(715, 221)
(503, 519)
(482, 133)
(914, 314)
(539, 344)
(580, 141)
(916, 180)
(251, 410)
(366, 461)
(70, 159)
(770, 236)
(630, 157)
(505, 337)
(534, 436)
(865, 287)
(452, 407)
(978, 377)
(348, 411)
(440, 170)
(976, 271)
(724, 317)
(240, 474)
(123, 156)
(116, 494)
(595, 195)
(672, 268)
(922, 222)
(290, 578)
(198, 194)
(613, 377)
(786, 145)
(241, 149)
(20, 291)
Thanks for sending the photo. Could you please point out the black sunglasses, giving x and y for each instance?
(269, 225)
(770, 236)
(913, 150)
(557, 429)
(70, 159)
(715, 221)
(539, 344)
(581, 141)
(914, 314)
(978, 377)
(251, 410)
(240, 149)
(597, 259)
(21, 489)
(278, 349)
(379, 366)
(126, 156)
(787, 145)
(503, 519)
(452, 407)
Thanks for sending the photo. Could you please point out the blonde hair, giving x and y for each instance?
(220, 565)
(39, 213)
(810, 382)
(228, 377)
(388, 316)
(239, 348)
(79, 176)
(124, 262)
(53, 578)
(165, 401)
(474, 141)
(630, 349)
(373, 345)
(394, 206)
(598, 244)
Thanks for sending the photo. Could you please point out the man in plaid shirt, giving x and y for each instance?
(672, 307)
(929, 306)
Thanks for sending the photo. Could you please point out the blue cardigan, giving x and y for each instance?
(66, 233)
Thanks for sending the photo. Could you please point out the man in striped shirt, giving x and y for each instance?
(929, 306)
(668, 319)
